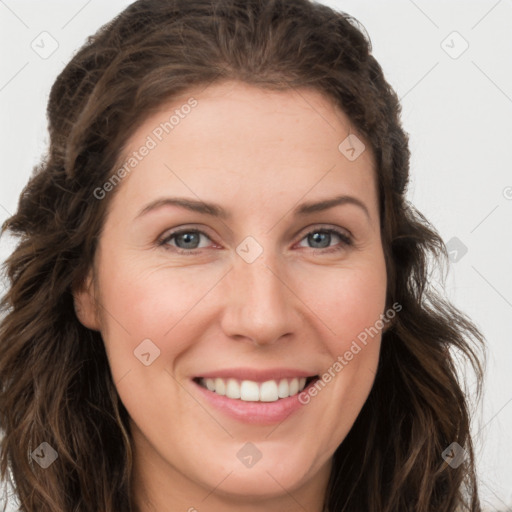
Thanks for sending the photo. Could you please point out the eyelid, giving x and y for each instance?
(324, 227)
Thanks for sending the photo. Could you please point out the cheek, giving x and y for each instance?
(351, 306)
(140, 303)
(348, 301)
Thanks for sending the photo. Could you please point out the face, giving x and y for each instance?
(214, 317)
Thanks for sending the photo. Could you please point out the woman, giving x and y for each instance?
(173, 337)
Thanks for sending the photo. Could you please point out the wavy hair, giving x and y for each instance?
(55, 381)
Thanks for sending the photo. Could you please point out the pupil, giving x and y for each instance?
(189, 238)
(317, 237)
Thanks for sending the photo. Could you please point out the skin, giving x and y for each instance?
(258, 154)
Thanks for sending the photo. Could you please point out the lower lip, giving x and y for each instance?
(262, 413)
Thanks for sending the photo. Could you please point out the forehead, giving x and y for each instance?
(231, 138)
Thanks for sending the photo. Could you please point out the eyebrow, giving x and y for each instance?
(216, 210)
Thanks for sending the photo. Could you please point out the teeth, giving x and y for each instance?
(283, 390)
(294, 386)
(250, 391)
(232, 389)
(268, 391)
(220, 386)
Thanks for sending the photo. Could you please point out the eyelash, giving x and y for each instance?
(346, 241)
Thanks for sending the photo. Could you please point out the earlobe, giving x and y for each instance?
(85, 304)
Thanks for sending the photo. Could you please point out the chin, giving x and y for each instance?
(267, 478)
(260, 484)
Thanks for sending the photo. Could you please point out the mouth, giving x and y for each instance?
(273, 390)
(256, 396)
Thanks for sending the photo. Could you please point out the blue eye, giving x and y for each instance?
(323, 237)
(186, 241)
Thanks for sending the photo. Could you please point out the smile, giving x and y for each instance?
(255, 396)
(252, 391)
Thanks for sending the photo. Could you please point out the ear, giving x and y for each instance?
(85, 304)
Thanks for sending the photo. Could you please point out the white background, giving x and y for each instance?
(457, 111)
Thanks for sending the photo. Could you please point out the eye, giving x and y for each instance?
(322, 237)
(186, 240)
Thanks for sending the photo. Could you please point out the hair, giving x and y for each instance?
(55, 381)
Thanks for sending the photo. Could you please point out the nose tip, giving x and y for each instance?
(259, 307)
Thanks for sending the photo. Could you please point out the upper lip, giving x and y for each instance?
(257, 375)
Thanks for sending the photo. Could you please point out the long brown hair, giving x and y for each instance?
(55, 382)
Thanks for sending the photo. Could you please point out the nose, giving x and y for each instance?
(260, 306)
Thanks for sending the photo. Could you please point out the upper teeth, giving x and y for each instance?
(251, 391)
